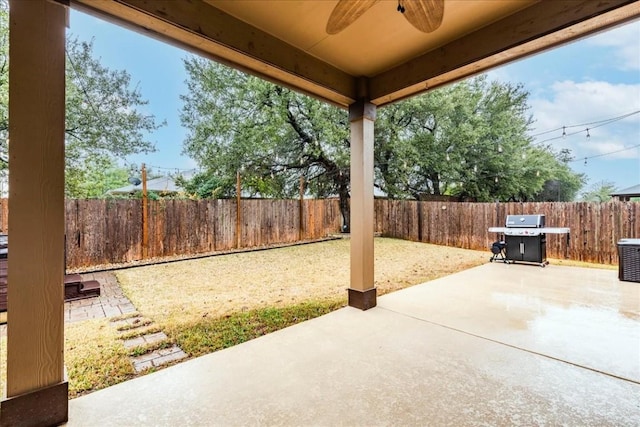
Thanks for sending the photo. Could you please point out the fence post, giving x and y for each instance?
(145, 230)
(238, 211)
(300, 207)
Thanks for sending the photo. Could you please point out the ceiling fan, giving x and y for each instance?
(425, 15)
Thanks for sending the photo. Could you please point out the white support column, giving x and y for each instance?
(36, 386)
(362, 293)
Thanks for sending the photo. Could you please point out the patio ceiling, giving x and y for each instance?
(379, 57)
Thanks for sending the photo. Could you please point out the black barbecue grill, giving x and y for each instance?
(525, 238)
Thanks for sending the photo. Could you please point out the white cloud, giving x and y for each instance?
(585, 104)
(625, 41)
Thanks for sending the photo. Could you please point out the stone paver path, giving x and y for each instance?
(146, 339)
(149, 347)
(110, 303)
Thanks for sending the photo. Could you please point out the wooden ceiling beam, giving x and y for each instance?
(208, 31)
(539, 27)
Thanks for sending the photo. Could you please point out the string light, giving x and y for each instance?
(599, 122)
(597, 125)
(177, 170)
(609, 153)
(588, 136)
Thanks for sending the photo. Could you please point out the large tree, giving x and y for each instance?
(599, 192)
(562, 183)
(469, 139)
(105, 118)
(271, 134)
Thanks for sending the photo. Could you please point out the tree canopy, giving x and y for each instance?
(469, 140)
(105, 117)
(599, 192)
(271, 134)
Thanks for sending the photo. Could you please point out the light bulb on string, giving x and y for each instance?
(475, 168)
(496, 180)
(524, 156)
(499, 148)
(448, 158)
(585, 161)
(564, 133)
(537, 173)
(588, 136)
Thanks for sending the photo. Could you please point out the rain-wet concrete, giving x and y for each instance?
(582, 316)
(494, 345)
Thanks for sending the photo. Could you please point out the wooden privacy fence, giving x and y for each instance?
(595, 227)
(110, 231)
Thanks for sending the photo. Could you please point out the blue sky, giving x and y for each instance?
(580, 85)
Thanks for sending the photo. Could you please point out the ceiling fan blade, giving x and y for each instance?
(346, 12)
(425, 15)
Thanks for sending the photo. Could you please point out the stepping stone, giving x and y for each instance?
(144, 340)
(158, 358)
(131, 321)
(133, 342)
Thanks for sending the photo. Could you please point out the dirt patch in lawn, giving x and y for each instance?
(185, 291)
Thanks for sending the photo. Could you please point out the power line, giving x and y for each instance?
(598, 122)
(171, 169)
(606, 154)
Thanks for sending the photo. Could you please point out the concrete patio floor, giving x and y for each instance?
(493, 345)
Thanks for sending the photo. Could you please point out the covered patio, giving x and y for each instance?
(377, 58)
(494, 345)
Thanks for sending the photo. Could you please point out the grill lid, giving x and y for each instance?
(521, 221)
